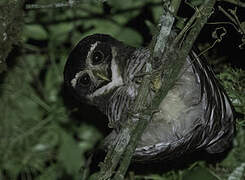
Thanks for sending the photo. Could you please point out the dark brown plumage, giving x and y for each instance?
(196, 113)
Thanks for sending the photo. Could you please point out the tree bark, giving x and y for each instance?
(11, 22)
(120, 155)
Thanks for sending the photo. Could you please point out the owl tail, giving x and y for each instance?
(219, 126)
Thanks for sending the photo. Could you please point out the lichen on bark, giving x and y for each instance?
(11, 22)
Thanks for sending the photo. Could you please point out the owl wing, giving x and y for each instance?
(214, 132)
(119, 104)
(219, 113)
(120, 100)
(135, 65)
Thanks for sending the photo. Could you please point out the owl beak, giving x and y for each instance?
(102, 76)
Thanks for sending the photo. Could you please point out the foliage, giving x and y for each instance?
(11, 21)
(39, 137)
(233, 81)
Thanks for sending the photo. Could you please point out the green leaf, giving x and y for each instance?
(199, 173)
(76, 36)
(35, 31)
(181, 23)
(89, 136)
(3, 2)
(52, 81)
(70, 155)
(238, 173)
(33, 61)
(119, 4)
(127, 35)
(54, 76)
(94, 176)
(157, 12)
(153, 29)
(102, 27)
(196, 2)
(50, 173)
(233, 81)
(125, 17)
(60, 32)
(130, 37)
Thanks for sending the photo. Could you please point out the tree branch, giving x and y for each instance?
(11, 21)
(131, 132)
(235, 2)
(92, 15)
(70, 3)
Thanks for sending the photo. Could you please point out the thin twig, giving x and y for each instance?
(175, 4)
(235, 2)
(47, 6)
(187, 26)
(234, 19)
(227, 14)
(166, 23)
(233, 12)
(229, 23)
(70, 3)
(92, 15)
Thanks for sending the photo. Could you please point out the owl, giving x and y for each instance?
(195, 115)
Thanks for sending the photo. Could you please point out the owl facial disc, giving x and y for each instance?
(116, 78)
(80, 73)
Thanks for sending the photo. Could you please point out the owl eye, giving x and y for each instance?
(98, 57)
(84, 80)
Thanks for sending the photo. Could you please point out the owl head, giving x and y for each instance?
(95, 66)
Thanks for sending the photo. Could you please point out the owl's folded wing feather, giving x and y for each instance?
(219, 113)
(215, 129)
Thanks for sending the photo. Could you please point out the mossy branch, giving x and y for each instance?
(70, 3)
(131, 132)
(11, 21)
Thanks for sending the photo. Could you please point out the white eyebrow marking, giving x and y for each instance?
(74, 80)
(77, 75)
(91, 50)
(116, 79)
